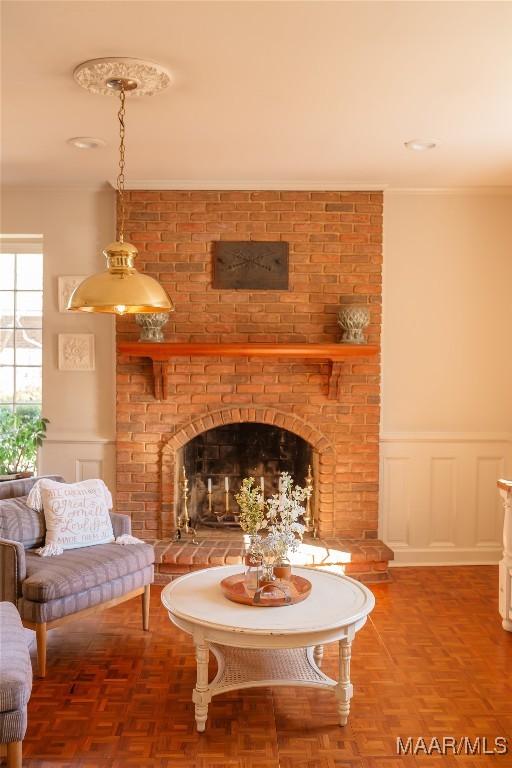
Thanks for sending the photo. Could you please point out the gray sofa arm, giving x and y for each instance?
(120, 523)
(12, 570)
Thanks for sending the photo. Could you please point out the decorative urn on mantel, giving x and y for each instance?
(353, 319)
(151, 324)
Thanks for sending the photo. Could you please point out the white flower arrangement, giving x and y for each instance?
(279, 515)
(284, 509)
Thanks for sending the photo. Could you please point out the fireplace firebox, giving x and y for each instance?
(216, 461)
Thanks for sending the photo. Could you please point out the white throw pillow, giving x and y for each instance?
(76, 514)
(35, 500)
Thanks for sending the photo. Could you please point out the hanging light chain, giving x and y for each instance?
(120, 176)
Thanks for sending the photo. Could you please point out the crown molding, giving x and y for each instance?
(262, 185)
(8, 238)
(299, 185)
(101, 187)
(268, 185)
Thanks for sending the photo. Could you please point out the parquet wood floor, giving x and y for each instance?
(432, 661)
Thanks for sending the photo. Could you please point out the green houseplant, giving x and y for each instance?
(21, 433)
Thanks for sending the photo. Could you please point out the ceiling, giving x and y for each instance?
(297, 94)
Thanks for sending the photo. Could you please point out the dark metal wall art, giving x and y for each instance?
(250, 265)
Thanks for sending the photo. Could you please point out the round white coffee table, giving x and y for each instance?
(262, 646)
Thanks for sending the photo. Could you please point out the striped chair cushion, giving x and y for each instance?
(65, 606)
(13, 725)
(77, 570)
(20, 523)
(15, 666)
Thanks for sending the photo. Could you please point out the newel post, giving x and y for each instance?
(505, 597)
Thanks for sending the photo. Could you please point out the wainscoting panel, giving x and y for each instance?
(443, 501)
(78, 459)
(88, 468)
(438, 499)
(396, 502)
(489, 504)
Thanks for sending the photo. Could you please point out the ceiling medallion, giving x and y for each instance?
(141, 78)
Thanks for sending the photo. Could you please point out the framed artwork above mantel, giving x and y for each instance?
(250, 265)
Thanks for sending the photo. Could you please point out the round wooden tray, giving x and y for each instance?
(271, 595)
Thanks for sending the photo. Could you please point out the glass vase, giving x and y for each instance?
(252, 573)
(267, 572)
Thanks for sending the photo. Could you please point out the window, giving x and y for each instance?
(21, 322)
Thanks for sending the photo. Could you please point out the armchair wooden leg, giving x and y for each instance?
(14, 754)
(145, 607)
(41, 649)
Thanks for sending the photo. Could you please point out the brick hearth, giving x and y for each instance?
(335, 256)
(365, 560)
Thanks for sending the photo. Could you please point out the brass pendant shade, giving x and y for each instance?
(120, 289)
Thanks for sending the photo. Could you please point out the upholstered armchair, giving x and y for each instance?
(50, 591)
(15, 684)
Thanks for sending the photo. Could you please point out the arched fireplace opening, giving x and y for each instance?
(217, 460)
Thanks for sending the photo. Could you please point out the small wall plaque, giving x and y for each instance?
(66, 286)
(250, 265)
(76, 352)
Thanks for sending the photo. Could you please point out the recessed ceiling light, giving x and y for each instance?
(418, 145)
(86, 142)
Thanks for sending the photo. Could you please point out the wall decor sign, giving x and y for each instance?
(76, 352)
(250, 265)
(66, 286)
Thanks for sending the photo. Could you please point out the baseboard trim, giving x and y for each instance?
(455, 556)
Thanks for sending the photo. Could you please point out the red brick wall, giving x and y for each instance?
(335, 255)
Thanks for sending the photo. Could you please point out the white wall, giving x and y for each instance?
(447, 374)
(76, 225)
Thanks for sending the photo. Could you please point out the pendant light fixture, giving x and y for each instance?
(121, 289)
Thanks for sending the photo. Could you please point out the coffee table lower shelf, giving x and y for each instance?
(240, 668)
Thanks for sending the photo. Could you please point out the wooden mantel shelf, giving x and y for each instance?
(161, 355)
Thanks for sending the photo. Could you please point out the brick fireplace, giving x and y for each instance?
(335, 256)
